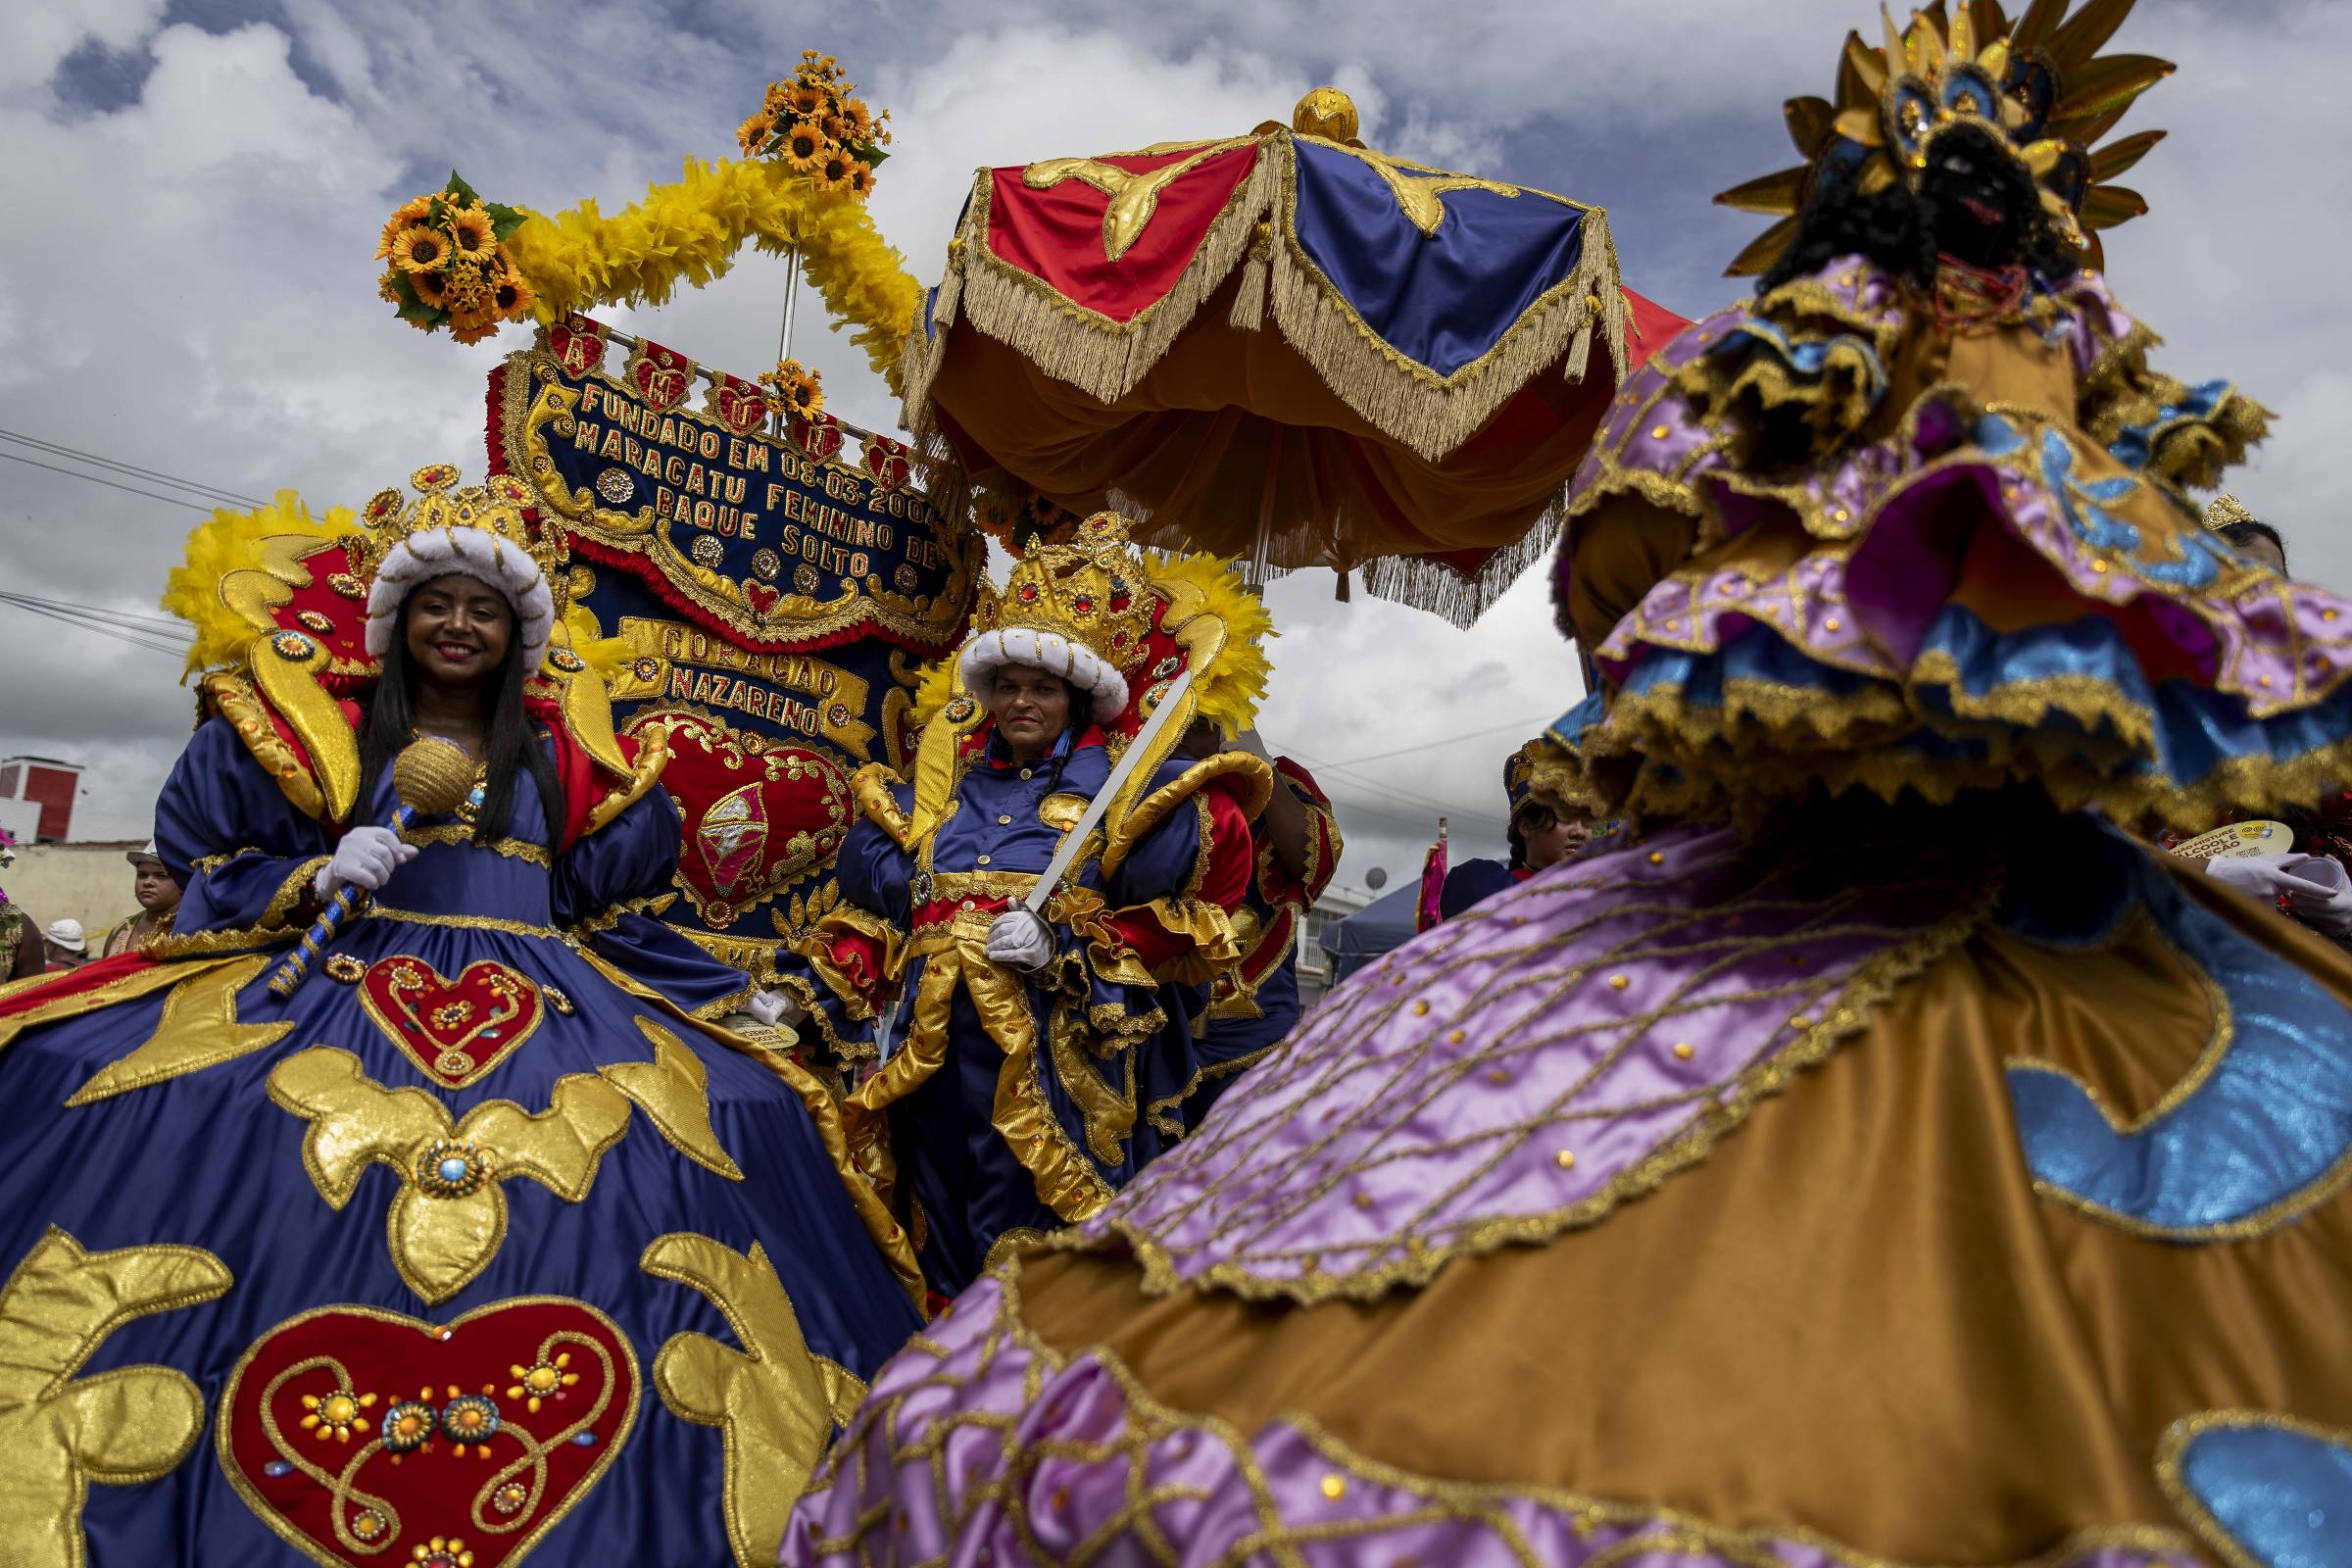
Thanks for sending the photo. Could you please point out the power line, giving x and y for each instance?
(1391, 792)
(75, 473)
(1450, 740)
(129, 621)
(59, 449)
(136, 639)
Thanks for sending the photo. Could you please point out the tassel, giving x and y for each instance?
(1342, 594)
(1579, 347)
(1248, 312)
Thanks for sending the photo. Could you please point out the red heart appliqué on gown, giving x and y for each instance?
(363, 1436)
(456, 1030)
(761, 596)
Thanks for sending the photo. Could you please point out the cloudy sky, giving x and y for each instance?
(193, 191)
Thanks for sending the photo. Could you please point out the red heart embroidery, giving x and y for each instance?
(758, 815)
(579, 343)
(819, 437)
(761, 597)
(739, 405)
(456, 1030)
(364, 1437)
(661, 376)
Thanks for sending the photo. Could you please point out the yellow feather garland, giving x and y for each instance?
(582, 260)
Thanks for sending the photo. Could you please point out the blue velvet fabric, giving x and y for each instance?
(2283, 1495)
(1441, 299)
(1470, 883)
(207, 1159)
(2268, 1124)
(954, 1161)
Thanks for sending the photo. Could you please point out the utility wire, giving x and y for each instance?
(135, 639)
(58, 449)
(1450, 740)
(75, 473)
(129, 620)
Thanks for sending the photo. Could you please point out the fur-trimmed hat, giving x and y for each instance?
(479, 532)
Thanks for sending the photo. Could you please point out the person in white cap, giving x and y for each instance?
(68, 947)
(159, 900)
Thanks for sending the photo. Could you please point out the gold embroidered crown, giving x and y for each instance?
(1093, 589)
(2225, 510)
(2040, 87)
(499, 507)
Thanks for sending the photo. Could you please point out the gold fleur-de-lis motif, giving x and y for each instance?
(1134, 197)
(777, 1401)
(449, 1217)
(59, 1432)
(1419, 189)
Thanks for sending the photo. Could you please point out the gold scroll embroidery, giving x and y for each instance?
(199, 1029)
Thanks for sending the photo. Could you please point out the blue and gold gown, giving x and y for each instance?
(1011, 1105)
(483, 1241)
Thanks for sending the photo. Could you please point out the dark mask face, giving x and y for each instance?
(1977, 197)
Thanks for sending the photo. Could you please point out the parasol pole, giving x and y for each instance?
(792, 294)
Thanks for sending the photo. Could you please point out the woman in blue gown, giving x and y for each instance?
(466, 1245)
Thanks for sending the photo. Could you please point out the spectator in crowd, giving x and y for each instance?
(2314, 882)
(159, 900)
(68, 947)
(1540, 836)
(22, 955)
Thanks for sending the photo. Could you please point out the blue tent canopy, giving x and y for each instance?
(1385, 923)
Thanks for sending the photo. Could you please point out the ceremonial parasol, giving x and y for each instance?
(1283, 346)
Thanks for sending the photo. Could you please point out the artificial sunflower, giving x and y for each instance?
(805, 100)
(862, 179)
(804, 148)
(469, 283)
(753, 134)
(421, 248)
(473, 322)
(834, 126)
(430, 288)
(470, 229)
(857, 121)
(512, 296)
(795, 389)
(412, 211)
(833, 170)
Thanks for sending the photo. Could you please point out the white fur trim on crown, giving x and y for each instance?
(1052, 653)
(476, 553)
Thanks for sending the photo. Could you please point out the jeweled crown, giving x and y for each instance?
(500, 506)
(1093, 589)
(2040, 87)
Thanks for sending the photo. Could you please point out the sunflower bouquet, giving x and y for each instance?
(816, 126)
(795, 390)
(444, 264)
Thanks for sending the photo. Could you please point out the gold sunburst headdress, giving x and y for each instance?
(2042, 87)
(482, 531)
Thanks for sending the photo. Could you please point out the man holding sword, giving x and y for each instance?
(1048, 896)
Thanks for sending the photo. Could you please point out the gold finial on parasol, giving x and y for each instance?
(1327, 113)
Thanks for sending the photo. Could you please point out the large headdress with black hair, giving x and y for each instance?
(2040, 87)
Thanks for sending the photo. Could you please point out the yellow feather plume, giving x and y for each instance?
(1229, 690)
(605, 657)
(233, 541)
(931, 692)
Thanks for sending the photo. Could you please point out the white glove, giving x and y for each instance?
(1019, 940)
(2321, 893)
(366, 858)
(774, 1008)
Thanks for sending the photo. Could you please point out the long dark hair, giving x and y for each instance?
(1896, 228)
(2246, 530)
(508, 736)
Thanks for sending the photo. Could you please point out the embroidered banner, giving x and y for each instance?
(771, 545)
(778, 599)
